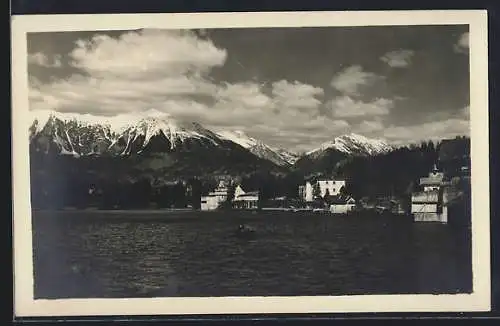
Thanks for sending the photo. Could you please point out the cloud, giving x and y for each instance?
(462, 45)
(345, 107)
(298, 132)
(147, 53)
(296, 94)
(398, 59)
(352, 79)
(42, 60)
(434, 130)
(169, 72)
(465, 112)
(369, 126)
(138, 70)
(248, 95)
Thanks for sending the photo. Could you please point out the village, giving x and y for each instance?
(439, 192)
(319, 196)
(435, 197)
(430, 203)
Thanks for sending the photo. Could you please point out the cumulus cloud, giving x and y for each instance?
(369, 126)
(133, 72)
(248, 95)
(296, 94)
(43, 60)
(169, 71)
(147, 53)
(345, 107)
(398, 58)
(462, 45)
(298, 132)
(435, 130)
(465, 112)
(351, 79)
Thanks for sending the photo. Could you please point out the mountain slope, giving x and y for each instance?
(353, 144)
(80, 135)
(278, 156)
(329, 156)
(155, 145)
(169, 146)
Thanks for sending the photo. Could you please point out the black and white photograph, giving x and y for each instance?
(234, 163)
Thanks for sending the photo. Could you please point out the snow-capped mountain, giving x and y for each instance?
(278, 156)
(83, 135)
(288, 156)
(353, 144)
(156, 132)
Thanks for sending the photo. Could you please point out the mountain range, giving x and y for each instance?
(167, 141)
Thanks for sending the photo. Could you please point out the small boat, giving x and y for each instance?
(245, 230)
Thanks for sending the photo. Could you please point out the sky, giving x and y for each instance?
(293, 88)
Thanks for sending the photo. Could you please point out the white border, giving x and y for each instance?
(26, 306)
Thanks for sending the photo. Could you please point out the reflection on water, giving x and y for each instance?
(98, 254)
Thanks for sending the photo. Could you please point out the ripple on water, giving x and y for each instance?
(96, 256)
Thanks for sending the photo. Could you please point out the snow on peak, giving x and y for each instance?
(154, 113)
(277, 155)
(153, 126)
(354, 144)
(130, 127)
(288, 156)
(238, 137)
(117, 123)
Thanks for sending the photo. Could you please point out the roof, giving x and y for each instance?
(430, 181)
(434, 178)
(250, 193)
(210, 195)
(339, 200)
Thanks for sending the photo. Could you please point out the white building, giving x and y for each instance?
(431, 204)
(342, 205)
(245, 200)
(333, 186)
(433, 181)
(306, 192)
(215, 198)
(238, 191)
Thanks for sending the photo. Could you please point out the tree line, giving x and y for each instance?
(58, 182)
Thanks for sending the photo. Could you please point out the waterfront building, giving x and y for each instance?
(215, 198)
(341, 204)
(245, 200)
(332, 187)
(431, 203)
(306, 192)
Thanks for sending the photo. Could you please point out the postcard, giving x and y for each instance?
(250, 163)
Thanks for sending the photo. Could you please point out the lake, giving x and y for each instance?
(97, 254)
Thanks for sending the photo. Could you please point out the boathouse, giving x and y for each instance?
(430, 204)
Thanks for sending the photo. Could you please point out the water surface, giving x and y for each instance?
(95, 254)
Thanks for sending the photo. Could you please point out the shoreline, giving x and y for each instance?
(181, 210)
(199, 214)
(189, 215)
(111, 211)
